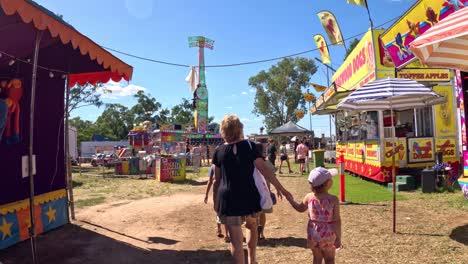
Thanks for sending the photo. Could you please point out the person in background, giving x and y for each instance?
(208, 187)
(196, 155)
(204, 158)
(262, 215)
(324, 226)
(301, 151)
(284, 157)
(306, 143)
(208, 154)
(271, 152)
(238, 198)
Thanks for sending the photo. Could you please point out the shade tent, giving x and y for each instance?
(391, 94)
(41, 52)
(289, 129)
(445, 45)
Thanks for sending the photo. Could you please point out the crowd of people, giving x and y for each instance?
(236, 198)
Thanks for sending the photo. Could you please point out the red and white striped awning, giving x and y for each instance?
(445, 45)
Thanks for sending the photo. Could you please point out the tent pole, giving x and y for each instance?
(393, 169)
(67, 151)
(32, 228)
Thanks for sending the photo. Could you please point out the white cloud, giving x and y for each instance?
(113, 90)
(244, 93)
(252, 90)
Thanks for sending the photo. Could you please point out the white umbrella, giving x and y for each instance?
(391, 94)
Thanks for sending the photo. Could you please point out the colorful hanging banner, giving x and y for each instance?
(358, 2)
(330, 25)
(417, 20)
(319, 88)
(323, 48)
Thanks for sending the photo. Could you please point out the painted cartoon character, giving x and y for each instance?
(12, 129)
(454, 4)
(413, 28)
(431, 16)
(403, 52)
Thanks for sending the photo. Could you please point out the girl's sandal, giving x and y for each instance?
(227, 239)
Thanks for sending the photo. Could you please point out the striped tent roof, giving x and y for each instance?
(445, 45)
(391, 93)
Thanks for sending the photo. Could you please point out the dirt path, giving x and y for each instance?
(181, 229)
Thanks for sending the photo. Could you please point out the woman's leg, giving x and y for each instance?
(289, 165)
(220, 233)
(237, 250)
(281, 164)
(252, 238)
(261, 225)
(226, 237)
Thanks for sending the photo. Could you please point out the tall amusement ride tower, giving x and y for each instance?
(201, 93)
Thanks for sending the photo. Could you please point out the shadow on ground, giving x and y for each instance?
(73, 244)
(284, 242)
(460, 234)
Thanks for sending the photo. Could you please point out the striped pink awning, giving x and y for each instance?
(445, 45)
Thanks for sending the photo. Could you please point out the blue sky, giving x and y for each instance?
(244, 30)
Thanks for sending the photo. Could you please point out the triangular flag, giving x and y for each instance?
(358, 2)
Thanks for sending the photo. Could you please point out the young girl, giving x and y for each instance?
(324, 227)
(208, 187)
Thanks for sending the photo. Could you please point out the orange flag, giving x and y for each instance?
(330, 25)
(323, 48)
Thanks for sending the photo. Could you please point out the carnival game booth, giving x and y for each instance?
(170, 159)
(365, 137)
(40, 53)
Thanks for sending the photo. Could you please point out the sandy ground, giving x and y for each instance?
(181, 229)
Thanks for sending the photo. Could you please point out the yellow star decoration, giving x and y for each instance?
(51, 214)
(385, 174)
(5, 228)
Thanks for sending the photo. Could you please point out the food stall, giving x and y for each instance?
(170, 159)
(365, 137)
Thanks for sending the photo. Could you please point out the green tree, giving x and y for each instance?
(82, 96)
(279, 90)
(182, 113)
(351, 47)
(146, 108)
(85, 128)
(115, 122)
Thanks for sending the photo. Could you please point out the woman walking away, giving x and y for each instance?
(284, 157)
(262, 215)
(208, 187)
(324, 227)
(301, 151)
(238, 196)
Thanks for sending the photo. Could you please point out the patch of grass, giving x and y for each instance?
(358, 190)
(90, 202)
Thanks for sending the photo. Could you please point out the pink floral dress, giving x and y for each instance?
(320, 232)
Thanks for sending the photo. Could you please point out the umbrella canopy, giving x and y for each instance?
(289, 129)
(445, 45)
(391, 93)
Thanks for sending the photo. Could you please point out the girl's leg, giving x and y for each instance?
(329, 255)
(252, 238)
(318, 257)
(281, 164)
(261, 225)
(237, 250)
